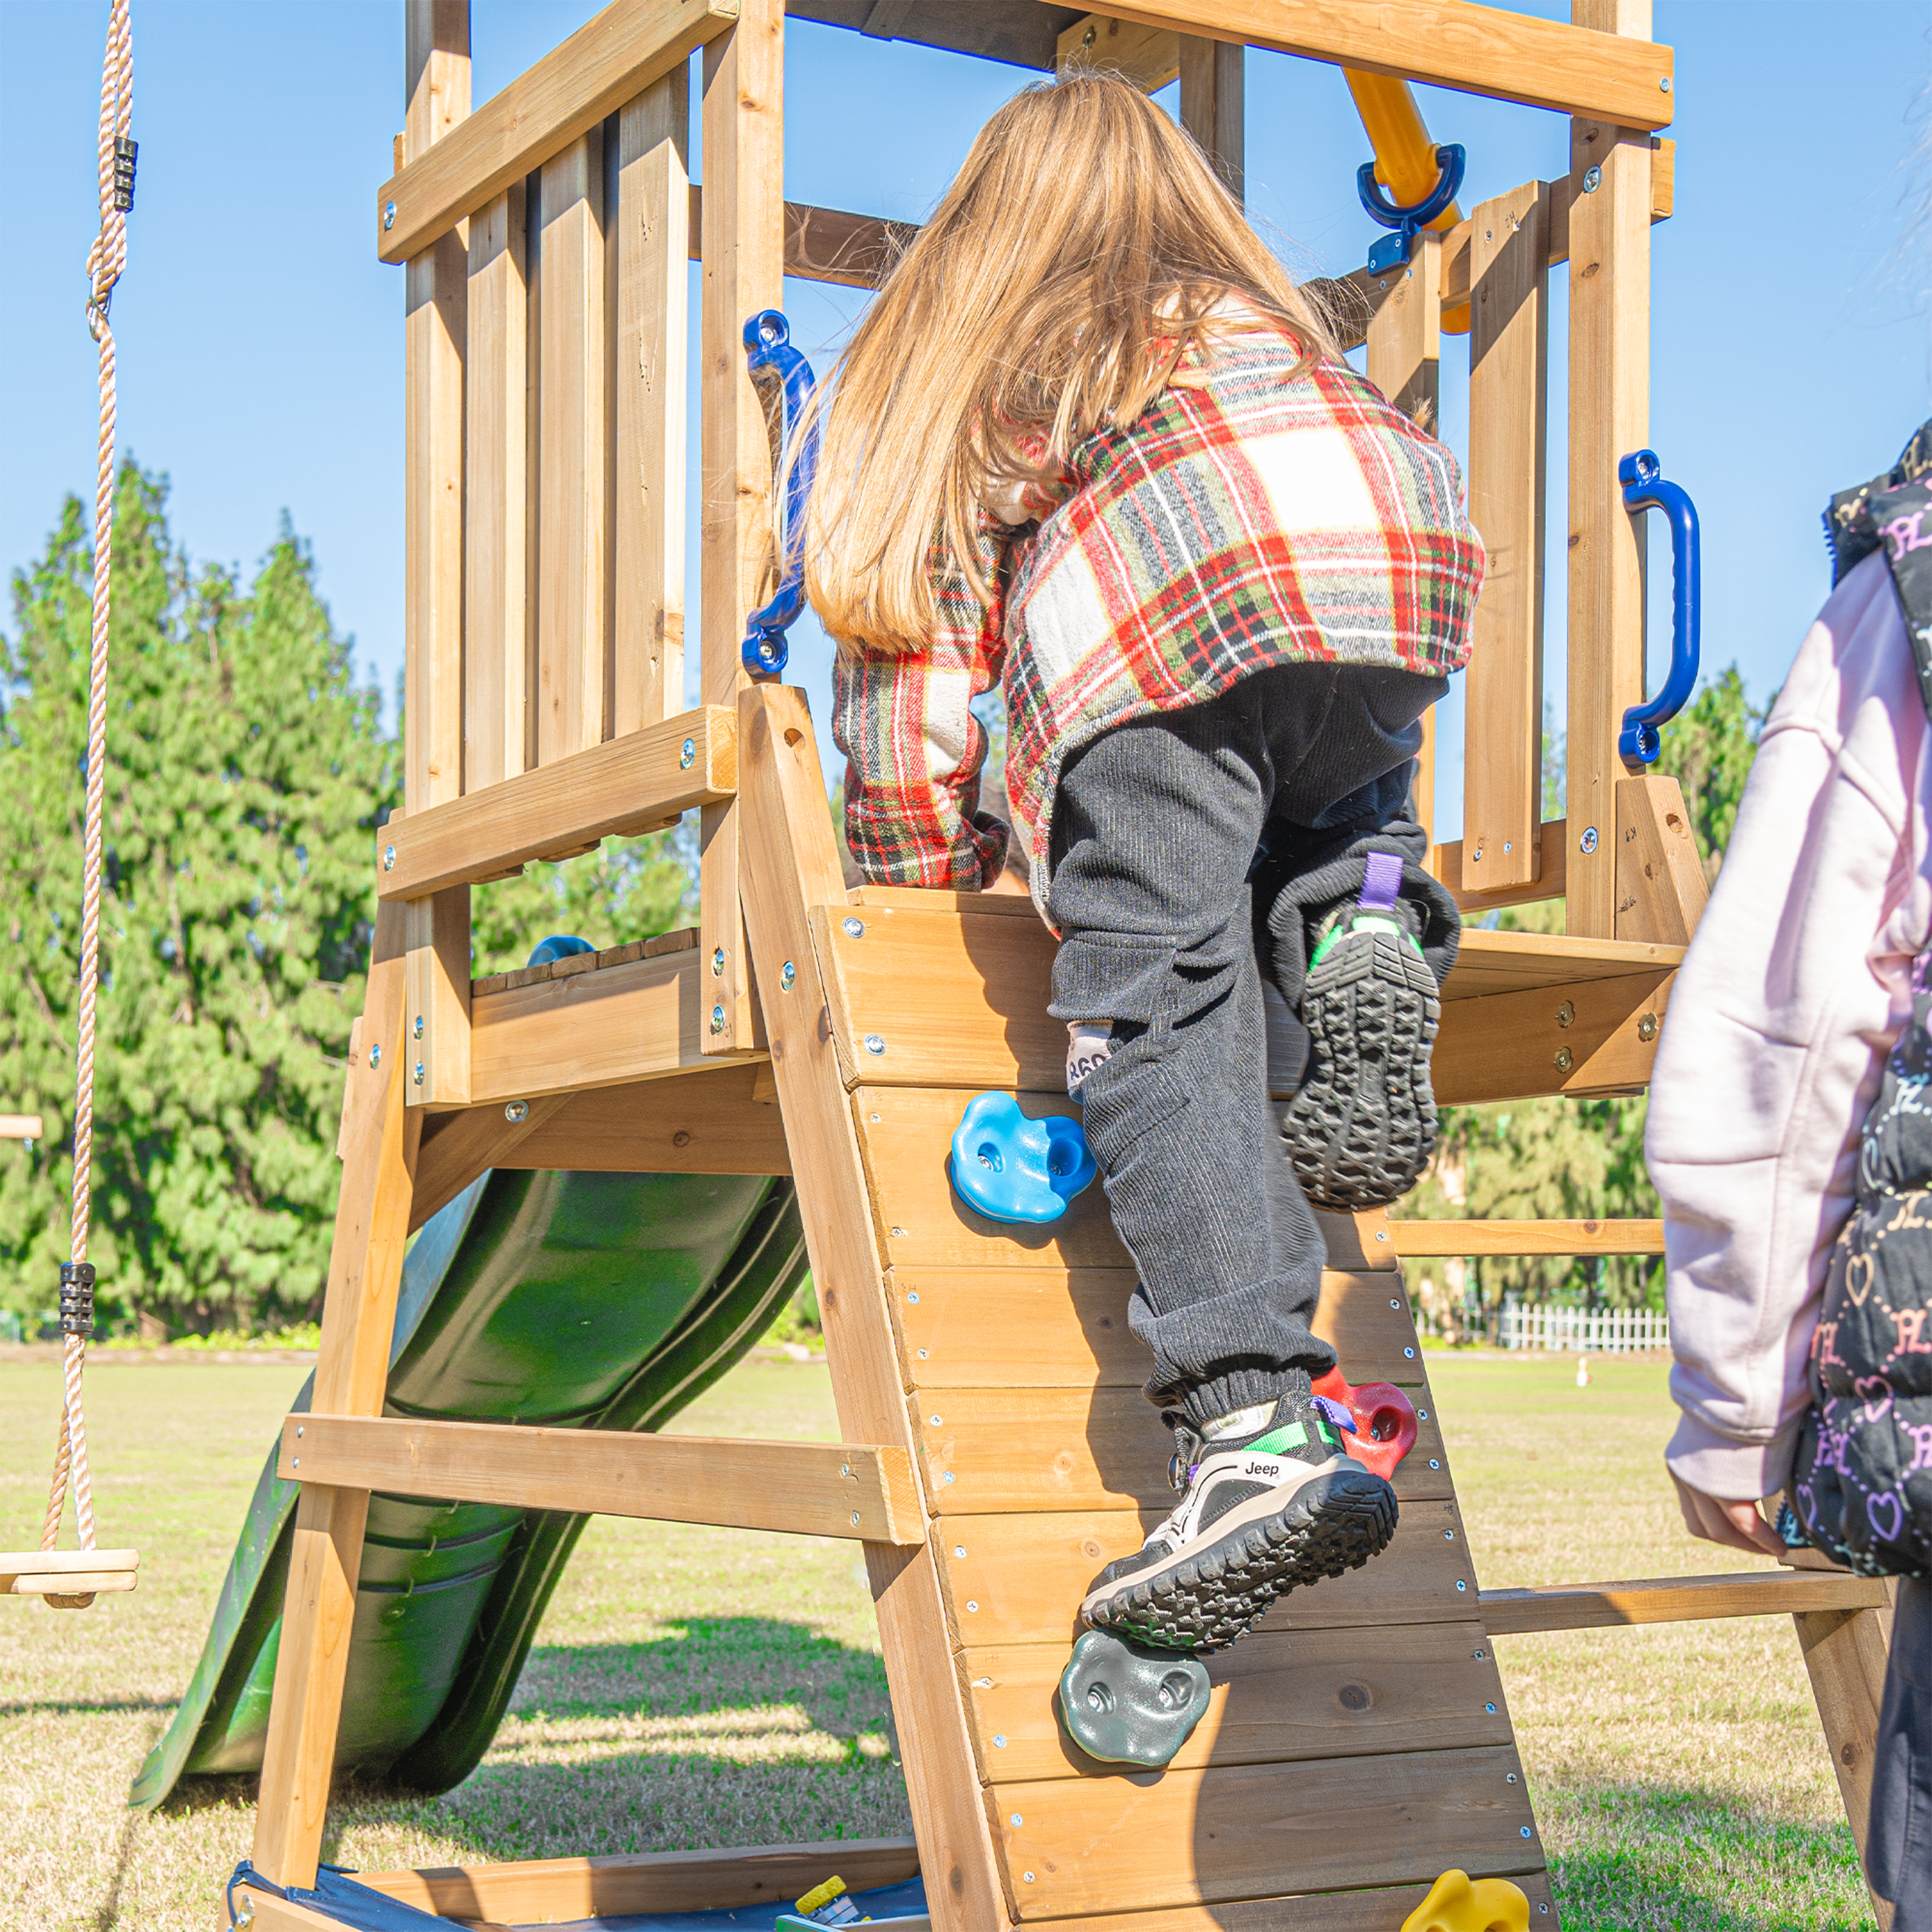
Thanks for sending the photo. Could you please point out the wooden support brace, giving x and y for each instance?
(1594, 1037)
(457, 1147)
(1660, 888)
(1845, 1648)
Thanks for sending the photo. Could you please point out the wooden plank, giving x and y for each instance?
(612, 60)
(1552, 872)
(1510, 962)
(1014, 1579)
(1404, 337)
(1150, 57)
(457, 1147)
(437, 994)
(365, 1268)
(704, 1122)
(743, 240)
(1527, 1238)
(547, 1890)
(1508, 364)
(1453, 43)
(653, 249)
(791, 863)
(1661, 891)
(1513, 1046)
(1669, 1599)
(632, 784)
(825, 244)
(1382, 1910)
(67, 1573)
(983, 1454)
(496, 608)
(572, 964)
(1026, 1328)
(629, 1022)
(1610, 416)
(284, 1915)
(572, 556)
(1845, 1652)
(847, 1490)
(1279, 1697)
(1213, 98)
(1196, 1837)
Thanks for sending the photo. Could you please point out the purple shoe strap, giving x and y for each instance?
(1381, 883)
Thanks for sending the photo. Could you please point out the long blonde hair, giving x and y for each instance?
(1081, 252)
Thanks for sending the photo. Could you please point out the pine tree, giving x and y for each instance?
(246, 776)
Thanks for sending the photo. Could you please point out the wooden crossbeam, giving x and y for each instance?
(1527, 1238)
(605, 64)
(1553, 836)
(629, 784)
(810, 1489)
(1669, 1599)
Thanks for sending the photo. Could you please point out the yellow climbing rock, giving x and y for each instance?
(1456, 1902)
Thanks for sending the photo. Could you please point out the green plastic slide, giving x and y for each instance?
(577, 1300)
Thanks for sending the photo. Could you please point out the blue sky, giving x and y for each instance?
(261, 341)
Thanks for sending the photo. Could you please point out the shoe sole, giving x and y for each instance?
(1361, 1128)
(1217, 1589)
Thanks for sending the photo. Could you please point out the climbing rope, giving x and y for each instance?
(105, 261)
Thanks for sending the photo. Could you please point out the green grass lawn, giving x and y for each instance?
(694, 1686)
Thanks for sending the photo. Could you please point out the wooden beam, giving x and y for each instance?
(1845, 1650)
(1669, 1599)
(806, 1489)
(609, 61)
(1453, 43)
(1661, 892)
(708, 1122)
(1593, 1037)
(1446, 861)
(1150, 57)
(437, 998)
(1527, 1238)
(630, 784)
(546, 1890)
(1213, 104)
(457, 1147)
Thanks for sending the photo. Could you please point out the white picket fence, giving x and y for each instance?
(1581, 1331)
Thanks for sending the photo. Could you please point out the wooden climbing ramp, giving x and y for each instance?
(997, 1450)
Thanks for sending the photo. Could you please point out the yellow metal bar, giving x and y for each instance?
(1405, 155)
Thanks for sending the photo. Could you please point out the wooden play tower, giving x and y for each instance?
(997, 1449)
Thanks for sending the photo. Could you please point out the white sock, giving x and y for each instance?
(1238, 1422)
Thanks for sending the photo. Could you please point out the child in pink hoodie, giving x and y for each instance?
(1796, 985)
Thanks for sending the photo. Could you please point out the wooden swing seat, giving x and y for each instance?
(67, 1573)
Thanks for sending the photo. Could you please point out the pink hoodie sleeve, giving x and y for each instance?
(1795, 986)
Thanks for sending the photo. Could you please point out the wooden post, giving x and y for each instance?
(435, 333)
(1405, 362)
(1214, 102)
(743, 224)
(1502, 757)
(1845, 1653)
(1610, 416)
(791, 864)
(365, 1268)
(1661, 887)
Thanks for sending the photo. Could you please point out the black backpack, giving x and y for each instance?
(1861, 1483)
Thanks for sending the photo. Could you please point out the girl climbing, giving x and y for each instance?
(1092, 443)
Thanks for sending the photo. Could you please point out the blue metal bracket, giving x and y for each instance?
(1644, 488)
(1393, 251)
(769, 358)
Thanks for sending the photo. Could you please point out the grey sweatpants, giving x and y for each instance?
(1898, 1847)
(1158, 827)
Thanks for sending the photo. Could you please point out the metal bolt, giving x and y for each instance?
(1565, 1013)
(1433, 1463)
(375, 1056)
(1393, 1302)
(1664, 83)
(948, 1478)
(855, 1524)
(718, 963)
(855, 929)
(688, 756)
(1646, 1028)
(1460, 1585)
(788, 978)
(1408, 1354)
(959, 1549)
(1512, 1777)
(1588, 843)
(296, 1463)
(389, 222)
(1479, 852)
(1490, 1707)
(717, 1019)
(1017, 1819)
(874, 1044)
(418, 1028)
(1027, 1876)
(1381, 1234)
(1478, 1655)
(999, 1741)
(1593, 179)
(1524, 1829)
(419, 1074)
(923, 1354)
(935, 1422)
(298, 1430)
(388, 858)
(517, 1111)
(1448, 1536)
(1422, 1415)
(1565, 1059)
(972, 1605)
(1509, 844)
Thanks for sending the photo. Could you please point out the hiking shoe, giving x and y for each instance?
(1270, 1499)
(1361, 1128)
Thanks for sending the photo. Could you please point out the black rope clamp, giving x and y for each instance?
(125, 153)
(76, 1299)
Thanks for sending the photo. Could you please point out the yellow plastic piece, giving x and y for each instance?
(1456, 1902)
(1405, 155)
(820, 1895)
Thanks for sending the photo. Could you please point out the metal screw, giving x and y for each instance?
(1509, 844)
(1512, 1777)
(389, 222)
(419, 1073)
(874, 1044)
(1593, 178)
(1646, 1028)
(1422, 1415)
(1664, 83)
(717, 1019)
(688, 756)
(375, 1056)
(1460, 1585)
(1588, 843)
(1565, 1059)
(295, 1463)
(923, 1354)
(788, 978)
(935, 1422)
(1027, 1876)
(1017, 1819)
(855, 1524)
(1478, 1655)
(948, 1476)
(388, 858)
(855, 929)
(1408, 1354)
(718, 963)
(959, 1549)
(1381, 1234)
(298, 1430)
(999, 1741)
(517, 1111)
(1565, 1013)
(419, 1026)
(1433, 1463)
(1393, 1303)
(972, 1605)
(1490, 1707)
(1479, 852)
(1524, 1829)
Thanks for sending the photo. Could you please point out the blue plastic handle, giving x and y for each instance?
(1393, 251)
(1011, 1169)
(1645, 487)
(768, 353)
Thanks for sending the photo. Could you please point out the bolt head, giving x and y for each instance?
(375, 1056)
(717, 1019)
(389, 222)
(788, 975)
(855, 929)
(688, 756)
(1565, 1014)
(1662, 87)
(1593, 179)
(388, 858)
(1588, 843)
(874, 1044)
(1646, 1028)
(419, 1074)
(718, 963)
(1565, 1059)
(516, 1111)
(418, 1028)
